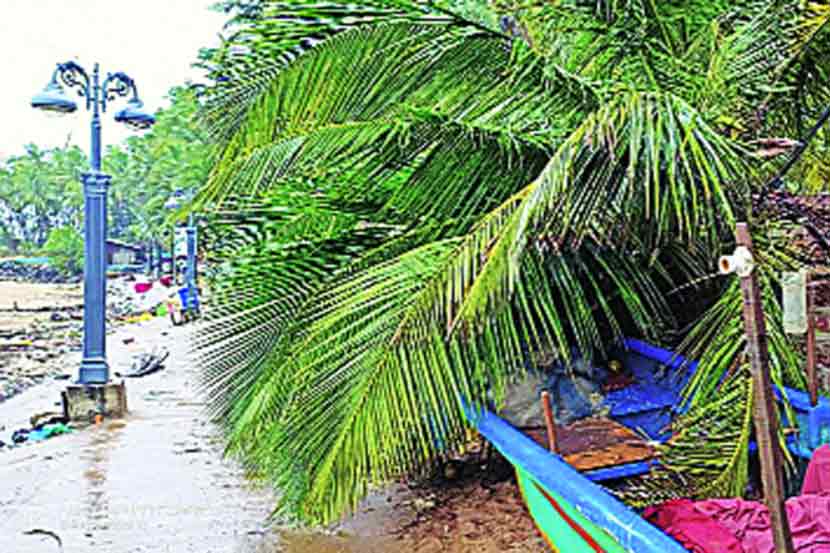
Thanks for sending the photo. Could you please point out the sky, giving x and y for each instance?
(154, 41)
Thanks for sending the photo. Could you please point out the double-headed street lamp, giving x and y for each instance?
(94, 367)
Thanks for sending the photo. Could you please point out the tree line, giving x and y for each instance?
(41, 195)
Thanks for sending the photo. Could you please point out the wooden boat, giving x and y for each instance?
(572, 511)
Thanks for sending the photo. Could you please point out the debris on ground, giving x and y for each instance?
(469, 503)
(142, 287)
(48, 533)
(41, 272)
(147, 363)
(41, 323)
(43, 426)
(47, 431)
(49, 417)
(471, 518)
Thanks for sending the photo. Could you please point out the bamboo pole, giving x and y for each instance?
(812, 377)
(765, 412)
(549, 422)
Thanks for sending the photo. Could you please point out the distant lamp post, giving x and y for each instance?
(53, 99)
(172, 204)
(191, 297)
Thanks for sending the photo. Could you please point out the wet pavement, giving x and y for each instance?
(153, 482)
(156, 481)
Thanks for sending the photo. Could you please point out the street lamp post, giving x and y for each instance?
(173, 267)
(191, 264)
(94, 368)
(158, 254)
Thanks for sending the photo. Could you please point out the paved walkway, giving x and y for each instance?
(154, 482)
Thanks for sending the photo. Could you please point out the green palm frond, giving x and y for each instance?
(270, 272)
(708, 453)
(412, 207)
(643, 165)
(388, 407)
(259, 48)
(396, 122)
(717, 341)
(291, 213)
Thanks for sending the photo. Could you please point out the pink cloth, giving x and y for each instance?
(738, 526)
(817, 479)
(749, 521)
(695, 530)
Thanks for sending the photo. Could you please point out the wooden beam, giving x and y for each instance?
(765, 411)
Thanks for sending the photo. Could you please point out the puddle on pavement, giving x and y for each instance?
(96, 502)
(154, 482)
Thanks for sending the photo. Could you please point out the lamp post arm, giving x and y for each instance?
(75, 77)
(117, 84)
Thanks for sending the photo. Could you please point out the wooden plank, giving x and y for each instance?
(596, 443)
(765, 412)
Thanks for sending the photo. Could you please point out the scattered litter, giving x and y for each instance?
(147, 363)
(62, 376)
(40, 532)
(142, 318)
(15, 344)
(57, 317)
(142, 287)
(129, 340)
(20, 436)
(48, 431)
(38, 420)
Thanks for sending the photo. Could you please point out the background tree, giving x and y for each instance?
(41, 192)
(149, 168)
(65, 249)
(38, 191)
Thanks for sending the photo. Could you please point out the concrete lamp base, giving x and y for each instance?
(81, 403)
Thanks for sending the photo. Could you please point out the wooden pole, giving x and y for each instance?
(549, 422)
(765, 412)
(812, 377)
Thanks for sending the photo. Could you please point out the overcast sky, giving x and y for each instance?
(153, 41)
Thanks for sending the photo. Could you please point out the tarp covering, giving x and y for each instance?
(575, 390)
